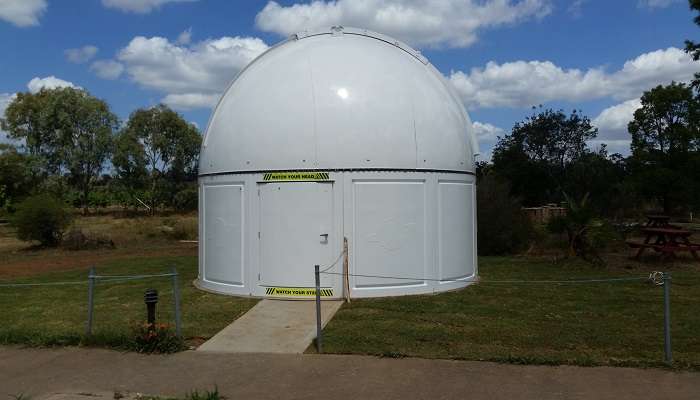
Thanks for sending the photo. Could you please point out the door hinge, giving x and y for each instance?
(258, 235)
(258, 192)
(258, 276)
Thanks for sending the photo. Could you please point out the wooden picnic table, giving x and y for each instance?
(657, 220)
(667, 240)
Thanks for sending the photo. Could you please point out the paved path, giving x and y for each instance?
(273, 326)
(41, 373)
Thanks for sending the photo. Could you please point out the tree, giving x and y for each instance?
(87, 130)
(68, 130)
(601, 177)
(665, 144)
(27, 118)
(129, 163)
(537, 156)
(16, 181)
(692, 47)
(503, 227)
(166, 145)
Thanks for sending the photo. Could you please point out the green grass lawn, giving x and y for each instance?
(56, 315)
(592, 324)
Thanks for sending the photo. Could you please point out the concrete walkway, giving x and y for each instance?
(273, 326)
(42, 373)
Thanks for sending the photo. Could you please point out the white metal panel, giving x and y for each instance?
(265, 119)
(389, 233)
(223, 240)
(440, 126)
(295, 218)
(456, 228)
(383, 195)
(344, 101)
(357, 126)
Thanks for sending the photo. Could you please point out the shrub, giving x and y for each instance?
(77, 240)
(156, 338)
(186, 199)
(586, 235)
(502, 226)
(42, 218)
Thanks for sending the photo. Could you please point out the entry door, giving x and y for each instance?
(296, 222)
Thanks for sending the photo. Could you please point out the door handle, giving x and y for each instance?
(324, 235)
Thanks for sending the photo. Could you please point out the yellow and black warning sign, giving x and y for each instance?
(301, 292)
(296, 176)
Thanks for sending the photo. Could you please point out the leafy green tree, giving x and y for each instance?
(665, 145)
(536, 157)
(68, 130)
(87, 131)
(161, 141)
(16, 181)
(502, 226)
(27, 118)
(601, 176)
(691, 47)
(129, 162)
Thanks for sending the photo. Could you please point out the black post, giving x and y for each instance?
(319, 332)
(151, 299)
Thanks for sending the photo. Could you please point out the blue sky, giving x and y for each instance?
(502, 56)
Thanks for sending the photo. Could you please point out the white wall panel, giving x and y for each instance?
(389, 232)
(455, 229)
(223, 233)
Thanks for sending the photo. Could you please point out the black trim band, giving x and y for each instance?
(449, 171)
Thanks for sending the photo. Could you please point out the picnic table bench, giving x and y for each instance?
(667, 240)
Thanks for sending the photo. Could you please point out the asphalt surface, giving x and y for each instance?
(43, 373)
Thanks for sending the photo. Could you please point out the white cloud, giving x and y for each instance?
(612, 122)
(5, 100)
(49, 82)
(82, 54)
(486, 132)
(139, 6)
(185, 37)
(528, 83)
(454, 23)
(656, 3)
(188, 101)
(22, 12)
(621, 146)
(196, 73)
(107, 69)
(576, 8)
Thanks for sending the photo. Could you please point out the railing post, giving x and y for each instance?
(176, 301)
(668, 356)
(91, 301)
(319, 332)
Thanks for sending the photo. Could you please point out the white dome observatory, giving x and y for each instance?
(343, 133)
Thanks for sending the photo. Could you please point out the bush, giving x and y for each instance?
(501, 224)
(42, 218)
(77, 240)
(186, 199)
(586, 235)
(156, 338)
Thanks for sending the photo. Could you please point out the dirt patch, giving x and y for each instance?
(26, 263)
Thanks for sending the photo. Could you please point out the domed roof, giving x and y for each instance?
(338, 99)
